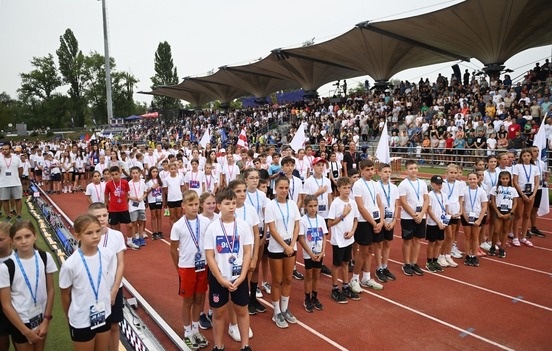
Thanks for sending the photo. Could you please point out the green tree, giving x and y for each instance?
(42, 80)
(7, 110)
(71, 67)
(165, 74)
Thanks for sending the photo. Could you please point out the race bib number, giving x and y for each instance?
(199, 265)
(222, 245)
(418, 208)
(528, 188)
(8, 173)
(375, 214)
(472, 218)
(135, 204)
(194, 184)
(321, 208)
(36, 317)
(97, 315)
(445, 219)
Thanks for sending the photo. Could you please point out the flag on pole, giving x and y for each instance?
(382, 152)
(299, 138)
(540, 142)
(205, 139)
(242, 139)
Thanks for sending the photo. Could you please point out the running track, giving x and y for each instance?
(503, 304)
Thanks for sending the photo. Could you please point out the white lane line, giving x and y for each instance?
(420, 313)
(311, 330)
(509, 297)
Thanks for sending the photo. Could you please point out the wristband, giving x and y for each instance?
(48, 317)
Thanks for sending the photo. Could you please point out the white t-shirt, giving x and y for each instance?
(504, 197)
(295, 188)
(195, 181)
(284, 217)
(311, 186)
(114, 241)
(231, 172)
(211, 181)
(21, 298)
(187, 239)
(367, 191)
(248, 214)
(302, 166)
(389, 195)
(73, 275)
(137, 189)
(259, 201)
(526, 175)
(96, 192)
(437, 205)
(154, 195)
(9, 171)
(346, 225)
(314, 230)
(174, 192)
(489, 181)
(414, 192)
(454, 191)
(238, 235)
(473, 198)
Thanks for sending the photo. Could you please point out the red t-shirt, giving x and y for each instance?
(117, 194)
(449, 142)
(512, 129)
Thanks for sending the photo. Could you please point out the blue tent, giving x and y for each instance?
(132, 118)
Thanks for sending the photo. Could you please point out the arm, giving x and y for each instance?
(118, 275)
(174, 252)
(406, 207)
(255, 257)
(13, 316)
(43, 328)
(482, 214)
(213, 268)
(364, 212)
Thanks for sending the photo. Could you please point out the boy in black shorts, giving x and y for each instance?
(438, 219)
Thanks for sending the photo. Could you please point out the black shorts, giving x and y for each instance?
(341, 254)
(86, 334)
(310, 264)
(261, 232)
(279, 255)
(411, 229)
(117, 308)
(24, 177)
(265, 249)
(16, 335)
(174, 204)
(364, 233)
(538, 198)
(56, 177)
(388, 234)
(466, 224)
(38, 172)
(119, 217)
(219, 295)
(433, 233)
(155, 206)
(4, 323)
(454, 221)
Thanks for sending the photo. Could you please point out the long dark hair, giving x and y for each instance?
(149, 177)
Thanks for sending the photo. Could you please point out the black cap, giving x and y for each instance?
(437, 179)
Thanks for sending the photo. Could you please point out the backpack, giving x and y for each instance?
(11, 265)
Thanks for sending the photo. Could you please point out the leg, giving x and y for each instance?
(407, 250)
(219, 324)
(415, 250)
(276, 271)
(243, 323)
(385, 252)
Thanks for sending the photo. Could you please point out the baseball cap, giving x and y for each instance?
(319, 159)
(222, 150)
(436, 179)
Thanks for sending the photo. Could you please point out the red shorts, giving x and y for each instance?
(191, 282)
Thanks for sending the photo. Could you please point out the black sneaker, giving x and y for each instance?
(7, 219)
(528, 234)
(217, 349)
(468, 261)
(338, 297)
(153, 236)
(350, 294)
(417, 270)
(437, 266)
(492, 251)
(537, 232)
(380, 275)
(204, 322)
(309, 306)
(501, 253)
(388, 274)
(475, 261)
(430, 267)
(251, 308)
(297, 275)
(259, 307)
(246, 348)
(407, 270)
(317, 304)
(160, 236)
(325, 270)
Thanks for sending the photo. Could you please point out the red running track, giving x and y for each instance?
(503, 304)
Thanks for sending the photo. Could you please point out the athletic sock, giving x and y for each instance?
(307, 296)
(277, 309)
(195, 327)
(285, 302)
(345, 285)
(355, 276)
(335, 287)
(187, 330)
(365, 276)
(429, 260)
(383, 266)
(314, 294)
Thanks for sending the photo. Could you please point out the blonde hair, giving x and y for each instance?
(189, 195)
(83, 221)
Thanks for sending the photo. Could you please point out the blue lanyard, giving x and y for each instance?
(258, 205)
(416, 191)
(291, 190)
(286, 221)
(234, 237)
(96, 290)
(244, 213)
(451, 191)
(26, 278)
(528, 176)
(475, 197)
(371, 193)
(195, 236)
(321, 195)
(387, 193)
(495, 178)
(311, 227)
(504, 192)
(440, 201)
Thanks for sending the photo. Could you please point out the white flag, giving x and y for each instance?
(540, 142)
(299, 139)
(242, 139)
(382, 152)
(205, 139)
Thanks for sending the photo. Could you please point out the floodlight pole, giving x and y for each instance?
(107, 67)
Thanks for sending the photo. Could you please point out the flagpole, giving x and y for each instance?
(107, 66)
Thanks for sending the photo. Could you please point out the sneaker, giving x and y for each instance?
(132, 245)
(442, 261)
(455, 253)
(258, 293)
(18, 219)
(280, 321)
(160, 236)
(417, 270)
(381, 276)
(154, 236)
(355, 286)
(142, 242)
(317, 304)
(309, 306)
(204, 322)
(492, 251)
(350, 294)
(437, 267)
(537, 232)
(326, 270)
(297, 275)
(475, 261)
(200, 340)
(451, 262)
(407, 270)
(511, 235)
(485, 246)
(234, 332)
(259, 307)
(468, 261)
(191, 342)
(145, 236)
(12, 212)
(246, 348)
(515, 242)
(430, 267)
(251, 308)
(289, 317)
(266, 287)
(136, 241)
(528, 234)
(338, 297)
(7, 219)
(501, 253)
(526, 242)
(371, 283)
(166, 213)
(388, 274)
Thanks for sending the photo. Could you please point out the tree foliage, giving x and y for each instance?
(165, 74)
(42, 80)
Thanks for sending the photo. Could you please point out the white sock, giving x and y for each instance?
(365, 276)
(195, 327)
(447, 256)
(187, 330)
(276, 305)
(355, 276)
(284, 303)
(129, 240)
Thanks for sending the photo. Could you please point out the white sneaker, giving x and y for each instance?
(234, 332)
(511, 235)
(485, 246)
(250, 333)
(266, 287)
(132, 245)
(355, 286)
(371, 284)
(442, 261)
(259, 293)
(455, 252)
(450, 262)
(145, 236)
